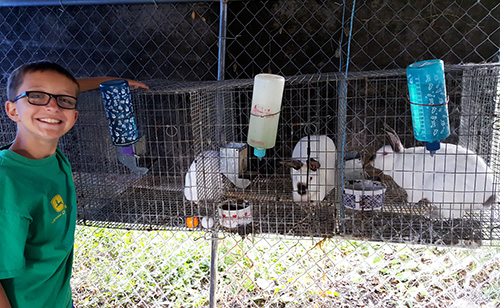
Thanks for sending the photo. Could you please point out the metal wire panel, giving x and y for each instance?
(305, 37)
(188, 124)
(138, 41)
(178, 41)
(178, 122)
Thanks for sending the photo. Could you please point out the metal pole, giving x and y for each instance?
(222, 40)
(213, 269)
(220, 112)
(220, 136)
(341, 128)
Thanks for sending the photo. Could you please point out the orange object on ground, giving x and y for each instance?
(192, 222)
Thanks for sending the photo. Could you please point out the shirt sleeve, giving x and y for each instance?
(13, 236)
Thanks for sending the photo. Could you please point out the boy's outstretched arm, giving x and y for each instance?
(94, 82)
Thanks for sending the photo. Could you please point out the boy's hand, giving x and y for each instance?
(134, 84)
(87, 84)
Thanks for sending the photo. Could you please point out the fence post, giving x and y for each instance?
(213, 268)
(220, 110)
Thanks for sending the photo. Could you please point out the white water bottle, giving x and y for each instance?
(265, 112)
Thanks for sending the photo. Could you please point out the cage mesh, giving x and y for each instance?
(191, 123)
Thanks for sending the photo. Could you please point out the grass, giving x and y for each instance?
(120, 268)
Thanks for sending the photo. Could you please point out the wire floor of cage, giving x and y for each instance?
(158, 203)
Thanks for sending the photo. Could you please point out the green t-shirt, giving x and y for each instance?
(37, 219)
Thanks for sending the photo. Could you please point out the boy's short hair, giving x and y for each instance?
(17, 76)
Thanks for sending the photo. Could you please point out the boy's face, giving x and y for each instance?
(48, 122)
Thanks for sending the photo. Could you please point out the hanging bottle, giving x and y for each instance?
(121, 121)
(265, 112)
(119, 111)
(428, 101)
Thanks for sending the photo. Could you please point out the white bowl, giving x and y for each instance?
(364, 195)
(234, 214)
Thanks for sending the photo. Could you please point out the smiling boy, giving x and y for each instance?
(37, 192)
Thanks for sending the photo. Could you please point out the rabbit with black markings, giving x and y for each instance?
(312, 168)
(454, 179)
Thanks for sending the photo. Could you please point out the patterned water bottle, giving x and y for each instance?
(119, 112)
(427, 92)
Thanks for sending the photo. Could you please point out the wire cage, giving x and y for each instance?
(199, 130)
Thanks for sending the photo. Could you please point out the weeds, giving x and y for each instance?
(120, 268)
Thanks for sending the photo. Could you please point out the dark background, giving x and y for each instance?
(179, 41)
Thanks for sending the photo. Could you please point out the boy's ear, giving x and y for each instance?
(11, 109)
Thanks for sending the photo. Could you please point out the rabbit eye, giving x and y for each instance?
(385, 154)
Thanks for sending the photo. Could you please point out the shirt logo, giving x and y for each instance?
(57, 203)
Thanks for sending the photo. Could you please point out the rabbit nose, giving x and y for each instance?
(302, 188)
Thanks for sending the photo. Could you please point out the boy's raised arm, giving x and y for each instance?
(91, 83)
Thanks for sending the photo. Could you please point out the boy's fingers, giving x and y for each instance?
(133, 84)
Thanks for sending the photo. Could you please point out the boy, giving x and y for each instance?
(37, 192)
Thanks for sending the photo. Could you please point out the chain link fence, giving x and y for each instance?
(119, 268)
(179, 41)
(133, 248)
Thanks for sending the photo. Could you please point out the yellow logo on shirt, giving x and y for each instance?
(57, 203)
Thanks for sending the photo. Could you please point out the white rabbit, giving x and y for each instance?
(454, 179)
(204, 178)
(312, 180)
(353, 168)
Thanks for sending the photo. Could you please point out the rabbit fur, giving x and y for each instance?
(454, 179)
(314, 180)
(204, 178)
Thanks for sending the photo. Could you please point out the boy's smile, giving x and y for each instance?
(50, 121)
(43, 124)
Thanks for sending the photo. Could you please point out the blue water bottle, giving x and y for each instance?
(428, 101)
(119, 112)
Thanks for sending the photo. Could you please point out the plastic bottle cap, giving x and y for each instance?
(433, 146)
(259, 152)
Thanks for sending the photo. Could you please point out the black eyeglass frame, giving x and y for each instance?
(27, 93)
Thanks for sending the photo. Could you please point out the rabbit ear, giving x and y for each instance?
(292, 163)
(394, 140)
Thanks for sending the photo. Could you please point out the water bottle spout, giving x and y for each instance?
(259, 152)
(432, 147)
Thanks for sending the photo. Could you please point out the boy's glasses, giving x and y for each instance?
(39, 98)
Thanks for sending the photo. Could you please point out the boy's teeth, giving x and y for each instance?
(49, 120)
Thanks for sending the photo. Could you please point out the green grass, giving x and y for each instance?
(120, 268)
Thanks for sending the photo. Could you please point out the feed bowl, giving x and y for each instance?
(364, 195)
(234, 214)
